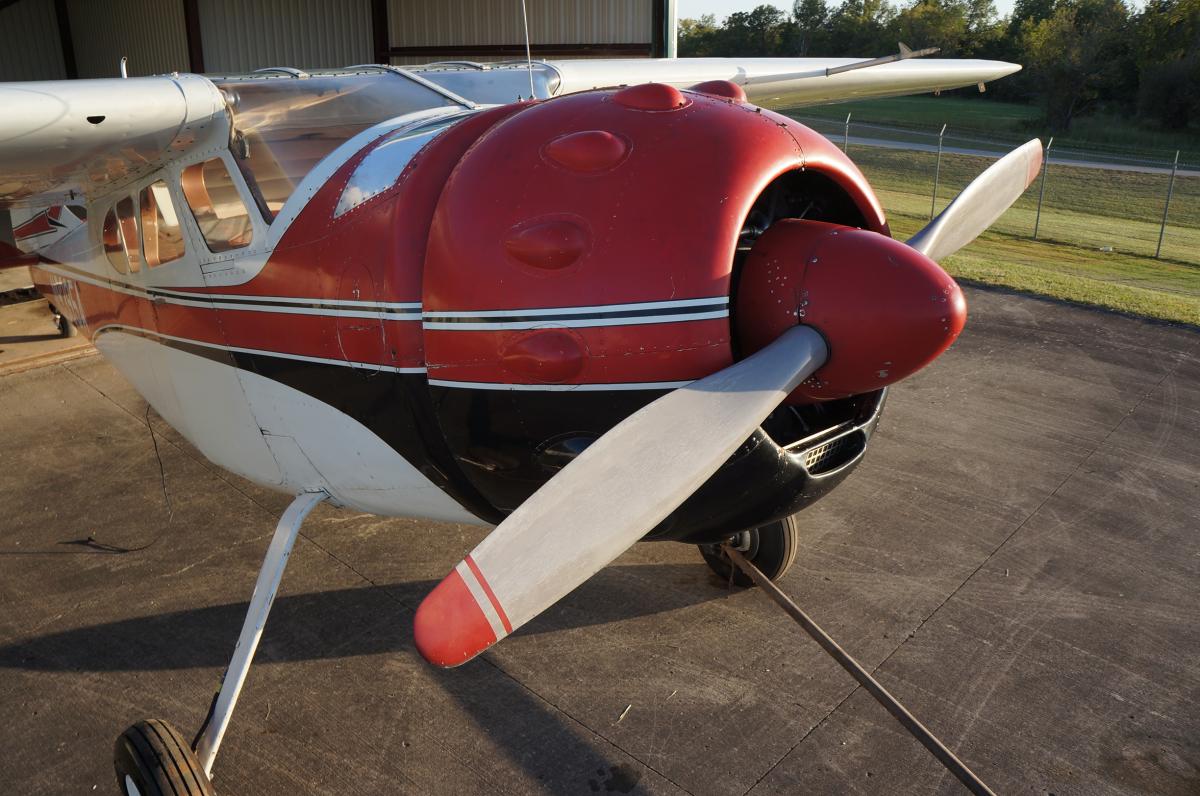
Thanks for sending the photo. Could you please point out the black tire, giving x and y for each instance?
(152, 759)
(65, 327)
(771, 548)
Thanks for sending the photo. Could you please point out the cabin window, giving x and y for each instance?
(114, 247)
(162, 238)
(217, 206)
(127, 220)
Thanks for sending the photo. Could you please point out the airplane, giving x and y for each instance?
(585, 302)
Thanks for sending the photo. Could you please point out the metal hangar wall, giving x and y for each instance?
(58, 39)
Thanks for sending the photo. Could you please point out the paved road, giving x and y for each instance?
(995, 152)
(1055, 160)
(1017, 559)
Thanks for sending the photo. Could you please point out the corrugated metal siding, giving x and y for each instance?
(242, 36)
(417, 23)
(29, 45)
(150, 32)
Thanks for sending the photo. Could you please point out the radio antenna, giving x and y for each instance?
(528, 50)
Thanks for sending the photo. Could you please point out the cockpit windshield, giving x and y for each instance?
(283, 125)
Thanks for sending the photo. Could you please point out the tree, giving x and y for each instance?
(811, 17)
(981, 16)
(757, 32)
(1032, 11)
(1080, 55)
(1167, 50)
(862, 28)
(697, 37)
(933, 23)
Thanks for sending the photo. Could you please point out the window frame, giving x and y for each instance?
(238, 181)
(166, 179)
(135, 222)
(110, 212)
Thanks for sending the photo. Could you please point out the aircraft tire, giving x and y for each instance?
(65, 327)
(772, 549)
(152, 759)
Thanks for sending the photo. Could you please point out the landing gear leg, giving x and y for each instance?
(150, 758)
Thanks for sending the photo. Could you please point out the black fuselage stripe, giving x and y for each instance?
(218, 298)
(580, 316)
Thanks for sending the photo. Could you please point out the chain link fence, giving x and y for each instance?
(1101, 198)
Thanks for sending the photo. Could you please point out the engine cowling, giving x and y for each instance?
(581, 262)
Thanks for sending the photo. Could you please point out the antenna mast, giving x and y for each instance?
(528, 51)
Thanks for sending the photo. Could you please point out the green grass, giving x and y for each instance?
(1008, 121)
(1089, 208)
(1085, 209)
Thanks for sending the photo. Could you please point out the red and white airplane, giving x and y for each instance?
(498, 294)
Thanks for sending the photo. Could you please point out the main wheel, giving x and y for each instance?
(152, 759)
(65, 327)
(771, 548)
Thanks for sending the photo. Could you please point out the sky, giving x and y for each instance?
(723, 8)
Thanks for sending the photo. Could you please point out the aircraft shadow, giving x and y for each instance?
(28, 338)
(338, 623)
(557, 752)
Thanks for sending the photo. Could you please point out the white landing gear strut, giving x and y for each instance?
(150, 757)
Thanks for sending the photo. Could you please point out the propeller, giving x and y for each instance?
(980, 203)
(871, 311)
(623, 484)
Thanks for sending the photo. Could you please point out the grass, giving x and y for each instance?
(1090, 208)
(1009, 121)
(1084, 210)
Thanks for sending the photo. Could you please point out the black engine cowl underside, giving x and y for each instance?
(509, 443)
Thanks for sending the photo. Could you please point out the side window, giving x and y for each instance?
(213, 197)
(114, 248)
(162, 239)
(127, 220)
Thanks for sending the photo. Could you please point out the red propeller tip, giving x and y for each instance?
(450, 627)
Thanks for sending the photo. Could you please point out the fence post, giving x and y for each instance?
(846, 136)
(1042, 191)
(937, 173)
(1167, 205)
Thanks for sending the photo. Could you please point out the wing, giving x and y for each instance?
(64, 140)
(788, 82)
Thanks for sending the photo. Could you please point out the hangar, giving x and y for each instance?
(59, 39)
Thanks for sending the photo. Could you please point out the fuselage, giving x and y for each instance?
(429, 313)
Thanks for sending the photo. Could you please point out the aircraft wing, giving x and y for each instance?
(61, 140)
(65, 140)
(787, 82)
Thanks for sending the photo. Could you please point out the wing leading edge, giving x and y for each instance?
(787, 82)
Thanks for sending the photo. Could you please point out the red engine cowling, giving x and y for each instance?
(581, 261)
(577, 241)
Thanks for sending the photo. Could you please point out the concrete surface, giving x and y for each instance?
(1018, 560)
(15, 279)
(29, 338)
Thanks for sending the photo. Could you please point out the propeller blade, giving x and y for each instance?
(618, 489)
(980, 203)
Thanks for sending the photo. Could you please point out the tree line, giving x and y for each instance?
(1079, 55)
